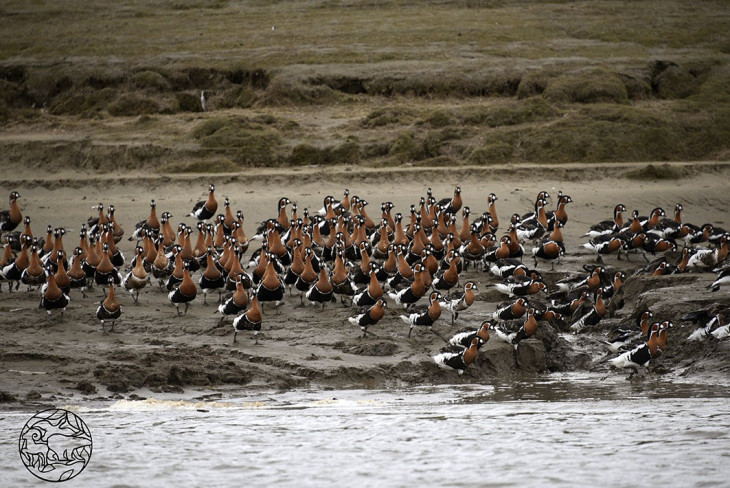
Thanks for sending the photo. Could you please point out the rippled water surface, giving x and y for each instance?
(563, 431)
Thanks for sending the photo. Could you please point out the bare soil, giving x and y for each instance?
(153, 350)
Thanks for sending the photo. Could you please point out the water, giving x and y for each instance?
(561, 431)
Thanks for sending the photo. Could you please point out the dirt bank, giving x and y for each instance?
(154, 350)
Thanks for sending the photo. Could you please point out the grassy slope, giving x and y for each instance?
(110, 84)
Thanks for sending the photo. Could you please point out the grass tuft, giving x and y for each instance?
(594, 86)
(655, 172)
(133, 104)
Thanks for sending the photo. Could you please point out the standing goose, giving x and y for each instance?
(212, 278)
(458, 361)
(372, 293)
(250, 320)
(13, 271)
(271, 288)
(463, 339)
(608, 227)
(425, 317)
(342, 285)
(35, 274)
(185, 293)
(9, 219)
(369, 317)
(109, 308)
(115, 255)
(178, 270)
(450, 276)
(53, 298)
(410, 295)
(117, 229)
(460, 301)
(76, 273)
(151, 224)
(493, 222)
(321, 291)
(593, 316)
(161, 267)
(63, 280)
(308, 276)
(527, 329)
(136, 279)
(236, 303)
(105, 269)
(204, 210)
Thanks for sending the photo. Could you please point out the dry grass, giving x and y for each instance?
(320, 82)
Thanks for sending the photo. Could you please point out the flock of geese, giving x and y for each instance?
(413, 261)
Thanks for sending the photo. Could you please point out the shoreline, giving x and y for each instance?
(152, 348)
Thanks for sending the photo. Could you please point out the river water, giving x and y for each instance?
(564, 430)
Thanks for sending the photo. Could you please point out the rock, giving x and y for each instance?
(532, 356)
(85, 387)
(33, 395)
(6, 397)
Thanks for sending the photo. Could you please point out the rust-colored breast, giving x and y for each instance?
(187, 286)
(470, 354)
(53, 292)
(110, 302)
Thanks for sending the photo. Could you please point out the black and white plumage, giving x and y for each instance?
(619, 339)
(654, 244)
(637, 358)
(464, 339)
(697, 234)
(205, 209)
(109, 308)
(521, 289)
(410, 295)
(623, 338)
(369, 317)
(105, 269)
(569, 304)
(522, 331)
(458, 361)
(426, 316)
(605, 244)
(711, 322)
(717, 234)
(9, 219)
(723, 279)
(371, 293)
(503, 268)
(249, 321)
(212, 279)
(511, 310)
(271, 287)
(52, 298)
(461, 300)
(548, 251)
(321, 291)
(184, 293)
(136, 279)
(594, 316)
(35, 274)
(237, 302)
(704, 259)
(607, 227)
(266, 294)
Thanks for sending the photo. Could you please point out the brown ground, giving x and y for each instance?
(153, 349)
